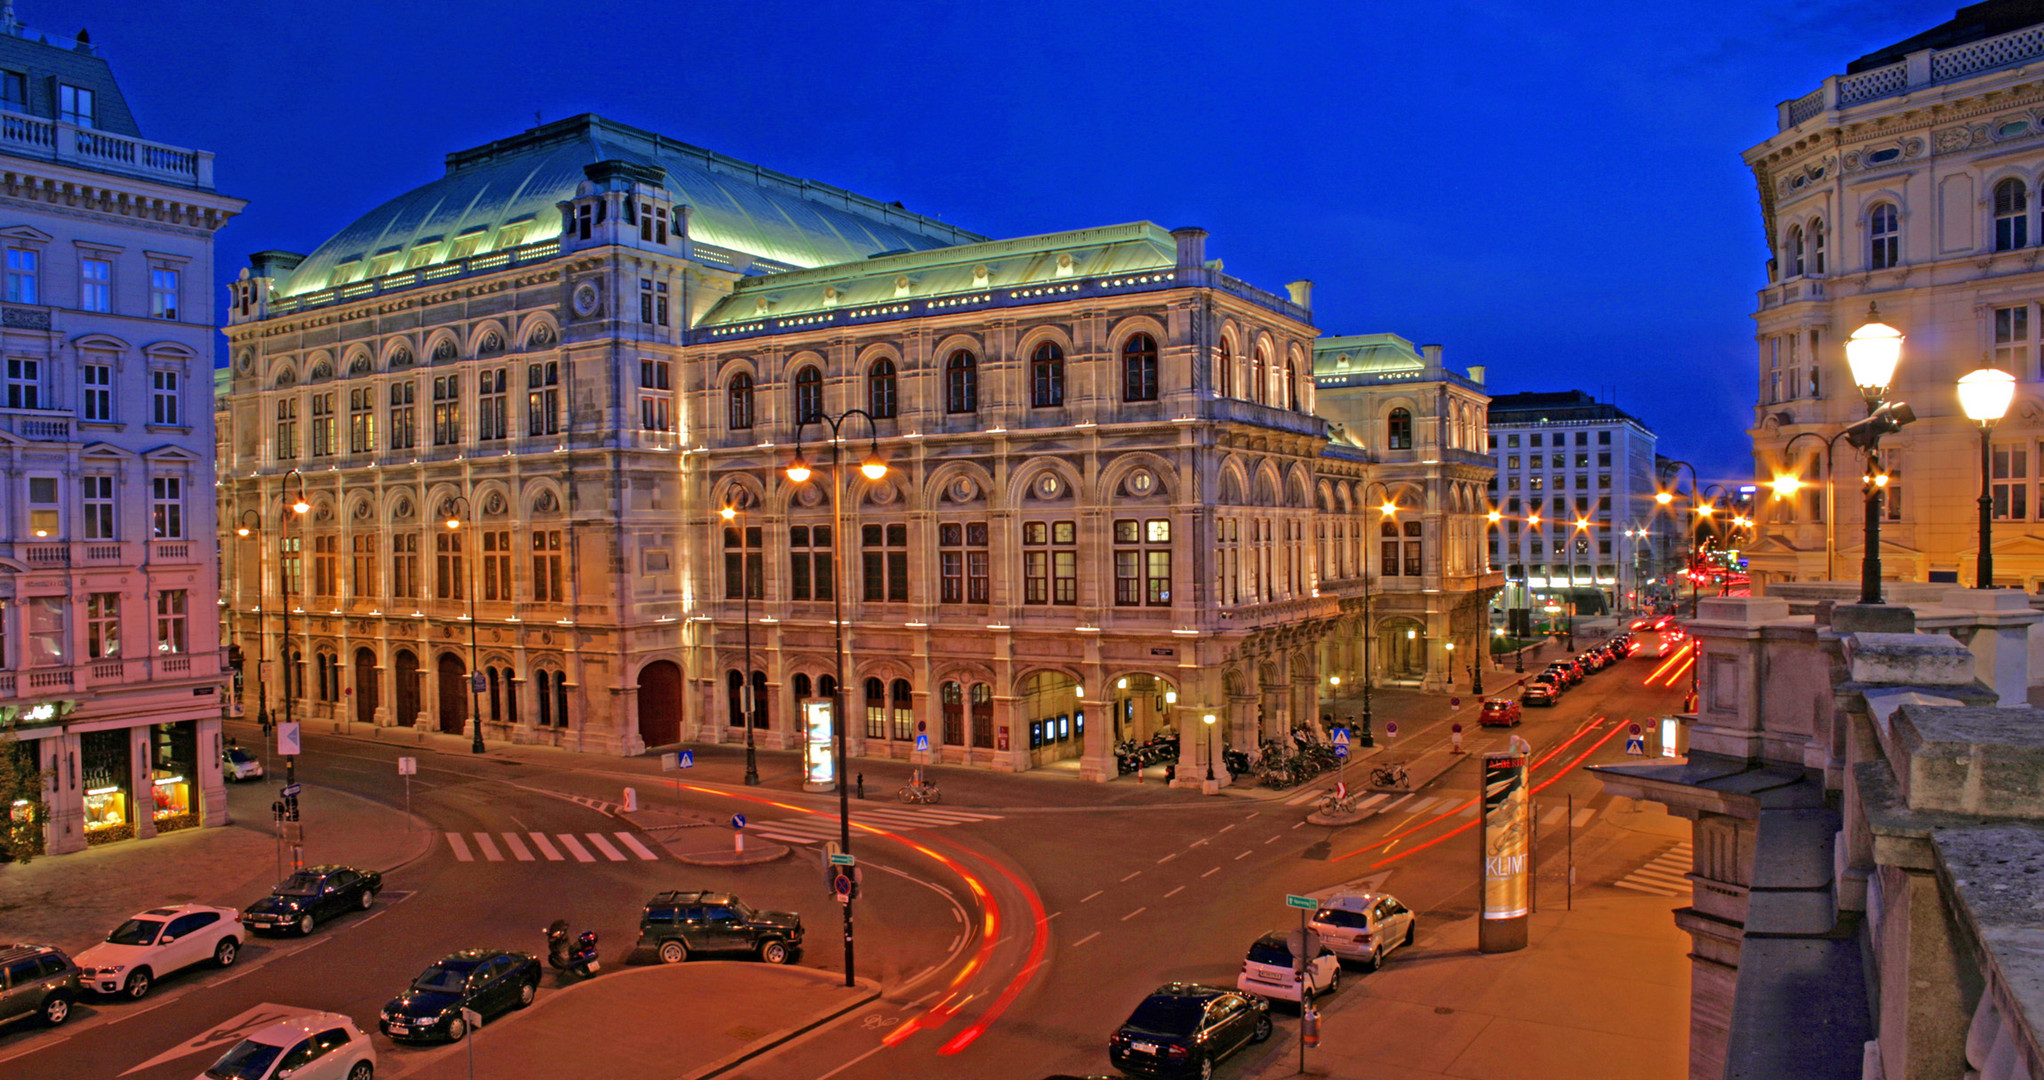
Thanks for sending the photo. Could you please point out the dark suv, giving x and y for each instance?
(677, 924)
(36, 980)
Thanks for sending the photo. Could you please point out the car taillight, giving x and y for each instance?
(1177, 1051)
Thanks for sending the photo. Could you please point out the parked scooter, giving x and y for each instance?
(578, 959)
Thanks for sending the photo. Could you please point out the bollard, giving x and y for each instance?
(631, 800)
(738, 841)
(1309, 1027)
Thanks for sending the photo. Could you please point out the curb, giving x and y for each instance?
(867, 991)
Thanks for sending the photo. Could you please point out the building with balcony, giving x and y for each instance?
(110, 672)
(1911, 181)
(1575, 487)
(1402, 512)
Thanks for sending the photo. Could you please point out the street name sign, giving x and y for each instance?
(839, 858)
(1303, 903)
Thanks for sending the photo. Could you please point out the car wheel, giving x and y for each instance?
(1206, 1068)
(1262, 1030)
(1375, 960)
(1411, 931)
(1333, 980)
(137, 986)
(773, 951)
(225, 952)
(527, 990)
(305, 924)
(457, 1029)
(673, 952)
(56, 1009)
(363, 1070)
(368, 898)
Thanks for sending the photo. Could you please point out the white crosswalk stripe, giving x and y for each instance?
(517, 847)
(1663, 875)
(488, 847)
(545, 846)
(460, 846)
(1553, 816)
(1582, 818)
(815, 828)
(625, 846)
(576, 849)
(641, 850)
(609, 852)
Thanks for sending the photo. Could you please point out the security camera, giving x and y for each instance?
(1886, 420)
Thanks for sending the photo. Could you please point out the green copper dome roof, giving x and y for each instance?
(503, 194)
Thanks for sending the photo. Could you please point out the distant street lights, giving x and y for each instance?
(1985, 395)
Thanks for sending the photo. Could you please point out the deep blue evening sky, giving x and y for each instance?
(1552, 190)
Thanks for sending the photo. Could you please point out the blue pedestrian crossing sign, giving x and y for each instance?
(1636, 745)
(1341, 742)
(922, 744)
(688, 759)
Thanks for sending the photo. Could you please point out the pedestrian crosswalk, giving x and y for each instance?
(1462, 807)
(817, 828)
(1665, 875)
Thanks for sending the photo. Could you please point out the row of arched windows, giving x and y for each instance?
(1270, 383)
(1803, 247)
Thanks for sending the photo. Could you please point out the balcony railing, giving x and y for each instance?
(37, 425)
(1914, 72)
(56, 140)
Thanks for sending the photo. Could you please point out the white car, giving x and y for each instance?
(315, 1046)
(239, 764)
(158, 942)
(1365, 927)
(1268, 970)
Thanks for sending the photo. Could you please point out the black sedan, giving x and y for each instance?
(484, 981)
(1184, 1029)
(312, 896)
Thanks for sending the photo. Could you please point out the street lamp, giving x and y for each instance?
(294, 681)
(1873, 351)
(1449, 648)
(1207, 721)
(252, 522)
(799, 471)
(1390, 509)
(730, 513)
(1985, 395)
(475, 675)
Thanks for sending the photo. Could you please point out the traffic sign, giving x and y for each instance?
(1341, 736)
(842, 886)
(1303, 903)
(1304, 946)
(291, 790)
(1341, 749)
(738, 821)
(1455, 728)
(288, 743)
(477, 683)
(839, 858)
(1635, 745)
(922, 744)
(1454, 703)
(1633, 730)
(408, 766)
(1391, 729)
(687, 759)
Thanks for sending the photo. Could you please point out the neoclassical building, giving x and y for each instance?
(110, 674)
(1912, 181)
(1109, 509)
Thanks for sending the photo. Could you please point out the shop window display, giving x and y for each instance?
(174, 758)
(103, 760)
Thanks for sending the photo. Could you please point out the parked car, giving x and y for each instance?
(485, 981)
(1184, 1029)
(315, 1046)
(1499, 712)
(1271, 971)
(312, 896)
(158, 942)
(1540, 692)
(238, 764)
(36, 980)
(1567, 671)
(676, 925)
(1364, 926)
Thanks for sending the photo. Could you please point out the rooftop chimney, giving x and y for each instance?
(1302, 293)
(1192, 247)
(1432, 354)
(1476, 373)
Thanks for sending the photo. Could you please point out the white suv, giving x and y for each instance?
(1365, 927)
(157, 942)
(315, 1046)
(1270, 970)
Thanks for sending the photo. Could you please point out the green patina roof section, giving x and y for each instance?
(735, 204)
(953, 271)
(1355, 354)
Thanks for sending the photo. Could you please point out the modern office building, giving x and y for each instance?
(110, 673)
(1575, 488)
(1911, 181)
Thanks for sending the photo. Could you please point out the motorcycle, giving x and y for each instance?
(579, 959)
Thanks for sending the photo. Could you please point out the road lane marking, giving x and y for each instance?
(1096, 892)
(1244, 855)
(1225, 828)
(517, 846)
(1134, 913)
(1582, 818)
(1167, 858)
(1085, 939)
(1212, 872)
(576, 849)
(1174, 892)
(545, 846)
(1548, 819)
(1300, 823)
(611, 853)
(1271, 840)
(1255, 814)
(489, 847)
(641, 850)
(1131, 877)
(460, 847)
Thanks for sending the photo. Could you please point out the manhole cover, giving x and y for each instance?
(1443, 1010)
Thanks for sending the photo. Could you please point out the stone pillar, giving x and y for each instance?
(141, 784)
(2001, 642)
(1728, 720)
(212, 787)
(63, 793)
(624, 706)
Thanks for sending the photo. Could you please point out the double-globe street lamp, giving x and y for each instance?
(1390, 510)
(1985, 395)
(251, 521)
(730, 514)
(799, 471)
(286, 567)
(475, 674)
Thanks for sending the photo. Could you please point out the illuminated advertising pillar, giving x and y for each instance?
(1507, 849)
(819, 768)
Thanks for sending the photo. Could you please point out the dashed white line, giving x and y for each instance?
(1085, 939)
(1167, 858)
(1096, 892)
(1212, 872)
(1225, 828)
(1244, 855)
(1296, 826)
(1255, 814)
(1174, 892)
(1271, 840)
(1131, 877)
(1134, 913)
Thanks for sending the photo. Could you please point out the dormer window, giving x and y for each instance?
(14, 91)
(652, 223)
(466, 242)
(74, 105)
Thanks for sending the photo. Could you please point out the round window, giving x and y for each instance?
(1048, 486)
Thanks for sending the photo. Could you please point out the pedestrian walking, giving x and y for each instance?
(862, 785)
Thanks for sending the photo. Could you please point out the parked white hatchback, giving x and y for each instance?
(315, 1046)
(158, 942)
(1365, 927)
(1270, 970)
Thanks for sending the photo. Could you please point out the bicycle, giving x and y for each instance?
(920, 792)
(1388, 775)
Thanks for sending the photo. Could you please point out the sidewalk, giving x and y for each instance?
(72, 901)
(691, 1020)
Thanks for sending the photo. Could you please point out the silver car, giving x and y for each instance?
(38, 981)
(1365, 927)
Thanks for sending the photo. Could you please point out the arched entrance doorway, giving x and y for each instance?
(1402, 645)
(406, 670)
(453, 694)
(367, 692)
(1053, 717)
(1140, 708)
(660, 703)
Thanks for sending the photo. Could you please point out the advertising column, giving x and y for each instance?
(1506, 839)
(819, 768)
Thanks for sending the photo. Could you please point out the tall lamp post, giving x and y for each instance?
(1519, 654)
(251, 522)
(1985, 395)
(1872, 352)
(1390, 510)
(798, 471)
(293, 679)
(730, 513)
(1787, 484)
(475, 675)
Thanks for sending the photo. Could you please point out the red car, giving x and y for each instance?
(1540, 692)
(1499, 712)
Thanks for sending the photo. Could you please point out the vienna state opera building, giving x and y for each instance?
(540, 415)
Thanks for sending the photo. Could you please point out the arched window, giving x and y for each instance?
(1258, 365)
(826, 686)
(982, 715)
(1291, 386)
(542, 683)
(801, 687)
(961, 383)
(1047, 377)
(1817, 246)
(808, 394)
(1387, 534)
(2011, 215)
(1224, 375)
(560, 699)
(734, 685)
(741, 402)
(1400, 435)
(1139, 369)
(880, 390)
(1884, 237)
(904, 711)
(1792, 254)
(759, 699)
(876, 709)
(953, 696)
(496, 697)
